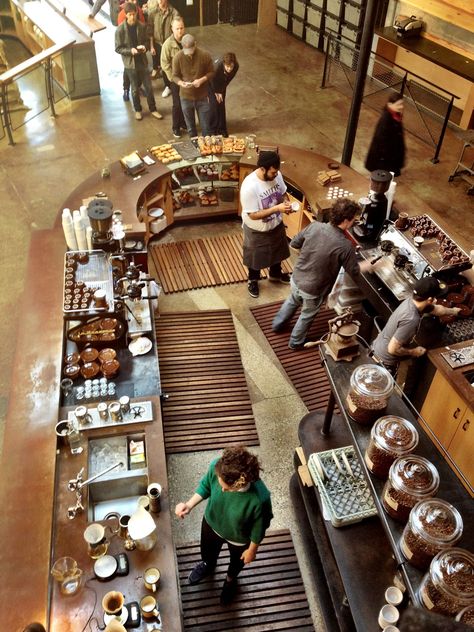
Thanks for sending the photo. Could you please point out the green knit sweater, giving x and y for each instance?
(236, 516)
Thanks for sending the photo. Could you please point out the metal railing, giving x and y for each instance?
(427, 106)
(45, 61)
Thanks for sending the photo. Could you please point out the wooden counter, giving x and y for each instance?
(34, 524)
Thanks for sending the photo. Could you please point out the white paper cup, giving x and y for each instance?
(295, 206)
(391, 628)
(388, 615)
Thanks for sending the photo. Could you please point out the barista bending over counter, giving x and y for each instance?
(393, 343)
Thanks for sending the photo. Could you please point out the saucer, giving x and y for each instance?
(123, 617)
(140, 346)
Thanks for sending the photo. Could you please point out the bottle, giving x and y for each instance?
(390, 438)
(448, 586)
(370, 390)
(411, 478)
(433, 525)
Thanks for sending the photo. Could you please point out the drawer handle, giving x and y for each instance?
(465, 425)
(456, 413)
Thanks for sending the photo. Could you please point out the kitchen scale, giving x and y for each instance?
(130, 616)
(459, 357)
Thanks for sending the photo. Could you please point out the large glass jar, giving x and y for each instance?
(448, 586)
(466, 616)
(411, 478)
(433, 525)
(371, 387)
(390, 438)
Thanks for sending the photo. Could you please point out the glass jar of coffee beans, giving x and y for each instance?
(433, 526)
(466, 616)
(370, 388)
(390, 438)
(411, 478)
(448, 587)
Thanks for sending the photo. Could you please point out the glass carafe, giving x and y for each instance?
(68, 575)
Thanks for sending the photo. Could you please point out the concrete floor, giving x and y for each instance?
(276, 95)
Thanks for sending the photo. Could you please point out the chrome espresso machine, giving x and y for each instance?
(413, 248)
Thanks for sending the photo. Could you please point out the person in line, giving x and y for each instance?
(226, 69)
(324, 249)
(169, 50)
(121, 18)
(192, 70)
(114, 9)
(159, 28)
(387, 148)
(395, 342)
(264, 201)
(130, 43)
(238, 512)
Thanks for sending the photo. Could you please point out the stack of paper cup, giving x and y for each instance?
(68, 229)
(80, 230)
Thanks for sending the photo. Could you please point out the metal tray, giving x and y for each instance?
(346, 497)
(96, 273)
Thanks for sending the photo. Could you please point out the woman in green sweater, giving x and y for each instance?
(238, 512)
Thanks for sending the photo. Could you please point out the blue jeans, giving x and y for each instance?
(140, 77)
(203, 109)
(309, 308)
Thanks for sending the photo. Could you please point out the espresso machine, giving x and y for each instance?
(100, 215)
(374, 207)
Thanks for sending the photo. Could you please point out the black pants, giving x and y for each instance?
(219, 122)
(211, 545)
(177, 116)
(275, 271)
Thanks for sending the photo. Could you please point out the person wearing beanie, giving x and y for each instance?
(264, 202)
(130, 42)
(395, 342)
(192, 70)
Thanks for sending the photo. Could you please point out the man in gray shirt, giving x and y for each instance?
(393, 343)
(324, 249)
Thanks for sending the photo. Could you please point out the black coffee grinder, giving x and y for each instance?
(100, 215)
(374, 207)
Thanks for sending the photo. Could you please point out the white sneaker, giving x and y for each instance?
(166, 92)
(138, 116)
(156, 114)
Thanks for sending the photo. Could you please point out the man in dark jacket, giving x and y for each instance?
(130, 42)
(387, 149)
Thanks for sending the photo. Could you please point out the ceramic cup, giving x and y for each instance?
(393, 596)
(151, 577)
(388, 615)
(149, 607)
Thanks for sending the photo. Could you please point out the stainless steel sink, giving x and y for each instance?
(116, 494)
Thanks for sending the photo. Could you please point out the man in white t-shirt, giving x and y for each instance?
(264, 200)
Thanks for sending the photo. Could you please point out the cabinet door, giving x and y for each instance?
(443, 409)
(461, 448)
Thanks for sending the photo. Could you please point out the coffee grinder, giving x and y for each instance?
(342, 342)
(374, 207)
(100, 215)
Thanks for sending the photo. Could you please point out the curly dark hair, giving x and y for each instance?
(343, 209)
(238, 465)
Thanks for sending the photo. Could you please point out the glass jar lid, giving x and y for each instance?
(453, 571)
(414, 475)
(372, 380)
(436, 521)
(395, 434)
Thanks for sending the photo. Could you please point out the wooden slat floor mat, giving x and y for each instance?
(189, 265)
(271, 593)
(201, 370)
(302, 367)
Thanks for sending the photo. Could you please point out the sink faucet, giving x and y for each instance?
(77, 484)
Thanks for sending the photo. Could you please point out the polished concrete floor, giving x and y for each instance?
(276, 95)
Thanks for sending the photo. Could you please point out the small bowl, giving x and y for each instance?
(72, 371)
(107, 354)
(110, 368)
(90, 370)
(108, 323)
(89, 355)
(71, 358)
